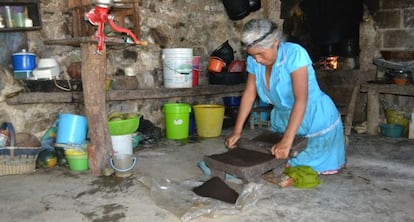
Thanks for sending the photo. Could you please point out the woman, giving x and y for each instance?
(281, 73)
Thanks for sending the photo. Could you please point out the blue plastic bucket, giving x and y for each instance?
(71, 129)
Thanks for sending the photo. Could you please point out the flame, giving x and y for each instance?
(332, 62)
(328, 63)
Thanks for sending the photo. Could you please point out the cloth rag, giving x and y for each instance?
(303, 176)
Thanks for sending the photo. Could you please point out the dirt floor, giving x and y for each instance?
(376, 185)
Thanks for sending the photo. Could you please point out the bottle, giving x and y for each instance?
(8, 16)
(1, 22)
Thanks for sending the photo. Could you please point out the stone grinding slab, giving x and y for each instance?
(252, 158)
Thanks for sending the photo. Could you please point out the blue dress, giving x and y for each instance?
(322, 123)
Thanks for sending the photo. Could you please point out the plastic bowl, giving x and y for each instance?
(391, 130)
(47, 63)
(123, 127)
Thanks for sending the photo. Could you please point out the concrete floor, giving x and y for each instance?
(376, 185)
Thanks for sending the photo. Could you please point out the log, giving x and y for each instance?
(123, 95)
(93, 82)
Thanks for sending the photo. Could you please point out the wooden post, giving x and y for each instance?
(93, 83)
(372, 112)
(351, 110)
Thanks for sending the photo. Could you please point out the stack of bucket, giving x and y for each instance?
(71, 134)
(208, 120)
(123, 161)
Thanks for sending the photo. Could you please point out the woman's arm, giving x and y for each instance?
(246, 104)
(300, 91)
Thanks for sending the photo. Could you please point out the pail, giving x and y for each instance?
(71, 129)
(24, 61)
(215, 64)
(394, 117)
(178, 67)
(177, 117)
(122, 144)
(123, 164)
(77, 160)
(209, 119)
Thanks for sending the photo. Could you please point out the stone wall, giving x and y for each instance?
(395, 25)
(199, 24)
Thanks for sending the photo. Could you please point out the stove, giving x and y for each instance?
(387, 69)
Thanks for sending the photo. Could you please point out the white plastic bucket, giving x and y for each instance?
(178, 67)
(122, 144)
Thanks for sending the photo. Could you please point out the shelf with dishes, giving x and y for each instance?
(20, 15)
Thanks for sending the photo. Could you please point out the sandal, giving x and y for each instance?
(281, 180)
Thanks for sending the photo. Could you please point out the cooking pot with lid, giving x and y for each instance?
(23, 61)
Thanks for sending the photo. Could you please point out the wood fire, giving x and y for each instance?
(328, 63)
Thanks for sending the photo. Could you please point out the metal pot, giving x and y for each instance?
(24, 61)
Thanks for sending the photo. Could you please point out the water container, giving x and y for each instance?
(177, 117)
(71, 129)
(178, 67)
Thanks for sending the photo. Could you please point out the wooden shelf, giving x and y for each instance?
(407, 90)
(110, 42)
(122, 95)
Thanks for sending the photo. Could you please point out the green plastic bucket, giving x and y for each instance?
(177, 118)
(209, 120)
(77, 160)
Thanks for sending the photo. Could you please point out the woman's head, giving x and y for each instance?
(261, 37)
(261, 33)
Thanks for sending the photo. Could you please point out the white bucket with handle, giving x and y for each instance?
(122, 144)
(178, 67)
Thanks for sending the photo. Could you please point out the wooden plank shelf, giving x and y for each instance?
(407, 90)
(123, 95)
(76, 41)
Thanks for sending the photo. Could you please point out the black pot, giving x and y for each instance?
(255, 5)
(225, 52)
(237, 9)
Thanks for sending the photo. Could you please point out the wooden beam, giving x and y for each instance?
(93, 82)
(121, 95)
(407, 90)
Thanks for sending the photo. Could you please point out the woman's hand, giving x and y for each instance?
(281, 150)
(231, 140)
